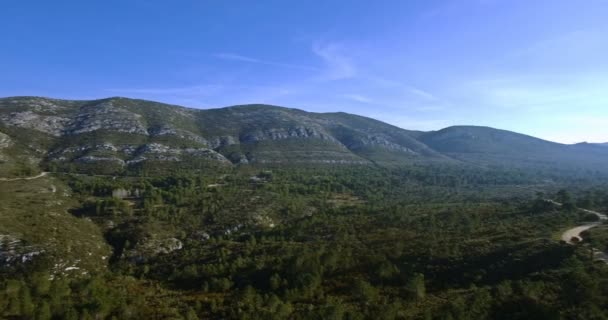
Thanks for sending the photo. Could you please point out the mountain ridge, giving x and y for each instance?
(116, 133)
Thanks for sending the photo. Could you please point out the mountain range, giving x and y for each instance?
(115, 134)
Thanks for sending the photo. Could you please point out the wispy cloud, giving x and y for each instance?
(542, 93)
(356, 97)
(246, 59)
(421, 93)
(236, 57)
(566, 47)
(338, 64)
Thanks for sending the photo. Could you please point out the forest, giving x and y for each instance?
(324, 243)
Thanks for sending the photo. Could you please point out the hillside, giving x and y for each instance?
(116, 135)
(499, 148)
(299, 215)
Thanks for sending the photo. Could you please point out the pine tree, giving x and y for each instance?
(71, 314)
(416, 286)
(43, 311)
(25, 301)
(191, 315)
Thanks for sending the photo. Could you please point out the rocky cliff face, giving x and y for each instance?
(125, 132)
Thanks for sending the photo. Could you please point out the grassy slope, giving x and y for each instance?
(36, 211)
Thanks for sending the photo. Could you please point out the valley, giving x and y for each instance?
(260, 212)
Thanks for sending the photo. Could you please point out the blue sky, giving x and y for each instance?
(538, 67)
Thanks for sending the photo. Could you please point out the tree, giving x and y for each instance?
(191, 315)
(60, 289)
(364, 292)
(41, 283)
(71, 314)
(416, 286)
(275, 282)
(563, 196)
(387, 270)
(44, 311)
(25, 301)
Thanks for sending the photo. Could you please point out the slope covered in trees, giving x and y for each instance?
(325, 243)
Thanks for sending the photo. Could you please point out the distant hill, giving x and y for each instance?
(114, 134)
(493, 147)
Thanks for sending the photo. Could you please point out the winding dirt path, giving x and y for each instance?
(42, 174)
(575, 233)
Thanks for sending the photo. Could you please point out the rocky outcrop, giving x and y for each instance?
(238, 158)
(106, 116)
(94, 159)
(150, 247)
(298, 132)
(156, 148)
(182, 134)
(13, 250)
(52, 125)
(222, 141)
(132, 154)
(5, 141)
(377, 141)
(79, 150)
(41, 105)
(157, 151)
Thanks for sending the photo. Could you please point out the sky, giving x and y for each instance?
(538, 67)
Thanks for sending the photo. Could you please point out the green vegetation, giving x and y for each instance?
(121, 135)
(151, 211)
(285, 243)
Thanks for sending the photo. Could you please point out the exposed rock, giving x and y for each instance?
(129, 149)
(84, 148)
(327, 161)
(263, 220)
(94, 159)
(201, 236)
(151, 247)
(122, 193)
(217, 142)
(69, 150)
(183, 134)
(283, 133)
(5, 141)
(233, 229)
(156, 148)
(106, 116)
(133, 131)
(157, 151)
(52, 125)
(136, 160)
(44, 105)
(238, 158)
(168, 245)
(206, 153)
(13, 250)
(106, 146)
(378, 141)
